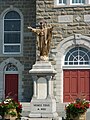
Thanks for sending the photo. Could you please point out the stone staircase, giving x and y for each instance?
(26, 111)
(60, 110)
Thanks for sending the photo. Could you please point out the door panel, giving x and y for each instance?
(76, 84)
(66, 85)
(11, 85)
(84, 83)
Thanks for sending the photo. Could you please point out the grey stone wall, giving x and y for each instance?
(28, 10)
(67, 21)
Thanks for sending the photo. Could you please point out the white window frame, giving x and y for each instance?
(69, 2)
(77, 3)
(12, 69)
(61, 3)
(12, 32)
(77, 56)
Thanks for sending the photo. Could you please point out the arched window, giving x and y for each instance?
(12, 33)
(77, 56)
(11, 67)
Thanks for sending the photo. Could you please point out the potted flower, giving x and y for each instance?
(76, 110)
(10, 108)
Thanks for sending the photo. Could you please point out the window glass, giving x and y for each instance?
(12, 15)
(62, 1)
(77, 56)
(11, 38)
(71, 2)
(12, 25)
(12, 32)
(78, 1)
(11, 67)
(11, 48)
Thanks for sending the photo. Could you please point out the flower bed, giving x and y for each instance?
(76, 108)
(10, 107)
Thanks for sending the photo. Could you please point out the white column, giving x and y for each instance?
(52, 88)
(35, 87)
(49, 87)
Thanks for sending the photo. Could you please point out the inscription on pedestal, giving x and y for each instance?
(41, 107)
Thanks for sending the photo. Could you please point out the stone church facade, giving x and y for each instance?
(70, 47)
(69, 51)
(17, 48)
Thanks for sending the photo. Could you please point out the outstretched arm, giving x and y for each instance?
(32, 29)
(37, 31)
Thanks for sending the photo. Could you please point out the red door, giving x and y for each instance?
(11, 85)
(76, 84)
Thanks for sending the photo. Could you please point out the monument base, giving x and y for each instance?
(42, 67)
(43, 108)
(43, 104)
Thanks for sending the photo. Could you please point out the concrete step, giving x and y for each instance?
(60, 106)
(26, 118)
(25, 109)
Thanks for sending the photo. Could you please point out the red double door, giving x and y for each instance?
(11, 85)
(76, 84)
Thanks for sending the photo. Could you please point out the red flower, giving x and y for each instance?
(77, 105)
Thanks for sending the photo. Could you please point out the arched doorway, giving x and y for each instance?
(62, 51)
(11, 81)
(77, 77)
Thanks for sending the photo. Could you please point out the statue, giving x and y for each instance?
(44, 33)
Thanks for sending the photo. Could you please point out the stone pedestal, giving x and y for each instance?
(43, 103)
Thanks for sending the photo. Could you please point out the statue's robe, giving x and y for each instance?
(45, 36)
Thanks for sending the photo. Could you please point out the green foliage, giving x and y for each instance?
(8, 106)
(76, 108)
(12, 113)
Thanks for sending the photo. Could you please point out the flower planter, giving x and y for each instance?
(76, 110)
(11, 117)
(81, 117)
(10, 109)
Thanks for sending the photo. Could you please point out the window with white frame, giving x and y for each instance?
(78, 1)
(77, 56)
(72, 2)
(12, 33)
(62, 1)
(11, 67)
